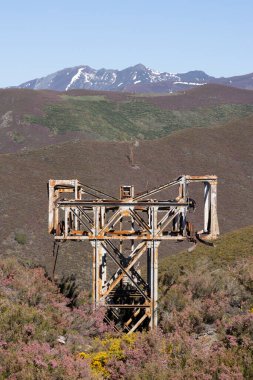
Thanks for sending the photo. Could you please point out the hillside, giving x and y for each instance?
(105, 140)
(33, 119)
(225, 151)
(205, 328)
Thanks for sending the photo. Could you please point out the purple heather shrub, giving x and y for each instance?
(205, 318)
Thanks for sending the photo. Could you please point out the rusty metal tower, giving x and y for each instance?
(124, 232)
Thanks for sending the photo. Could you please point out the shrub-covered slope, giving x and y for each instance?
(32, 119)
(135, 118)
(207, 297)
(206, 323)
(34, 322)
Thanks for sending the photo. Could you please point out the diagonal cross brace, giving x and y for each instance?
(80, 220)
(86, 215)
(126, 273)
(164, 218)
(119, 254)
(119, 274)
(140, 220)
(110, 221)
(168, 221)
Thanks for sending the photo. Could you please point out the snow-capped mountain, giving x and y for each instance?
(136, 78)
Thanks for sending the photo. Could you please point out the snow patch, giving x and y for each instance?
(154, 72)
(87, 77)
(114, 77)
(190, 83)
(156, 76)
(108, 77)
(75, 78)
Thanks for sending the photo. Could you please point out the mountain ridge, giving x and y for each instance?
(133, 79)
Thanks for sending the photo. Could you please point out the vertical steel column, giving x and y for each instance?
(132, 229)
(99, 256)
(152, 257)
(121, 241)
(77, 211)
(207, 206)
(53, 211)
(184, 211)
(56, 215)
(95, 261)
(155, 268)
(150, 281)
(102, 253)
(51, 206)
(214, 217)
(66, 219)
(74, 215)
(149, 271)
(76, 188)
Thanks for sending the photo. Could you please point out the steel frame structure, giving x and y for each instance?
(125, 230)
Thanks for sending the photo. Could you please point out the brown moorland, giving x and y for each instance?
(97, 115)
(202, 96)
(225, 151)
(15, 133)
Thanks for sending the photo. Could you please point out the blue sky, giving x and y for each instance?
(39, 37)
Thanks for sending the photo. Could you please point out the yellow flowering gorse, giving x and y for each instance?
(112, 347)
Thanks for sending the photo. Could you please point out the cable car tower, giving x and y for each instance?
(125, 232)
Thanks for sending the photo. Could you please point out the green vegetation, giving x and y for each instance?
(228, 250)
(208, 294)
(17, 137)
(20, 238)
(225, 270)
(131, 119)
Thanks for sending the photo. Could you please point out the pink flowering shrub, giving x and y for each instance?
(206, 310)
(41, 361)
(33, 316)
(205, 323)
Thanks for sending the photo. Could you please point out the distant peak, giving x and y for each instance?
(197, 72)
(139, 66)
